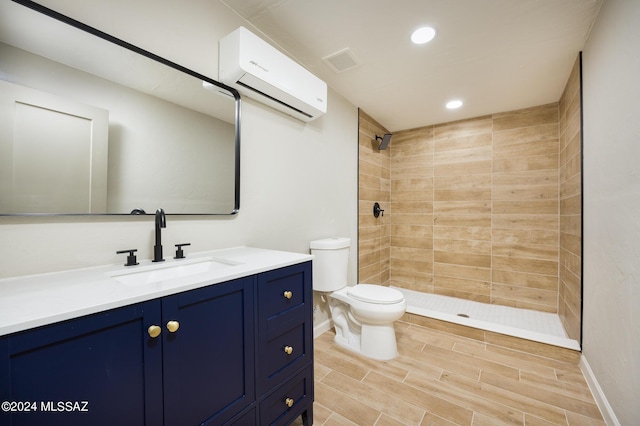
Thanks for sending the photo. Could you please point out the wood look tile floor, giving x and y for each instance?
(445, 379)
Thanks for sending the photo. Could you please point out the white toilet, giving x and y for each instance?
(363, 314)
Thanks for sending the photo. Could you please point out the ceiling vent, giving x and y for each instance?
(342, 60)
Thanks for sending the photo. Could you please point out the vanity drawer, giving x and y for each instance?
(284, 289)
(283, 355)
(285, 322)
(288, 401)
(285, 349)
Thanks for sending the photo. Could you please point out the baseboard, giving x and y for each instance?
(599, 396)
(320, 328)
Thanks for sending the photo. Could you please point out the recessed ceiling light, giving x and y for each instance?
(454, 104)
(423, 35)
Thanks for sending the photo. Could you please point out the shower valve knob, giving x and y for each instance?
(377, 211)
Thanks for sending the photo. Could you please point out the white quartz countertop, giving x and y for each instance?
(36, 300)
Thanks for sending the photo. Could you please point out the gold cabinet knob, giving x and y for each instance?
(288, 294)
(289, 402)
(288, 350)
(154, 331)
(173, 326)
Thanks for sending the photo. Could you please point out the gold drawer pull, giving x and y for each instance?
(289, 402)
(154, 331)
(288, 294)
(288, 350)
(173, 326)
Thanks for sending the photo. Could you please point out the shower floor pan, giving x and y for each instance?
(527, 324)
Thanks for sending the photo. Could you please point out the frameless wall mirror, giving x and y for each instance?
(90, 124)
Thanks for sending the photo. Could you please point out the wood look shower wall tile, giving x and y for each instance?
(374, 185)
(525, 216)
(462, 209)
(412, 204)
(570, 256)
(490, 187)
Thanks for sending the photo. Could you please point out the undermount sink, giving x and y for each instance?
(156, 273)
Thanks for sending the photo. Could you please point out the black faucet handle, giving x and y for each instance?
(179, 251)
(131, 259)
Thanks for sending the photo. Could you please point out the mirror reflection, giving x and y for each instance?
(88, 126)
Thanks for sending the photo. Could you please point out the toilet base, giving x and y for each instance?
(352, 343)
(376, 342)
(379, 342)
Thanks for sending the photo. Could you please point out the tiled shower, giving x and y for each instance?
(486, 209)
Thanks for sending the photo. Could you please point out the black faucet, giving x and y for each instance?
(161, 222)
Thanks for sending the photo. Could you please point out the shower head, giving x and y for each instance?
(384, 141)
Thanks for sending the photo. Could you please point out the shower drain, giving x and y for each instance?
(463, 315)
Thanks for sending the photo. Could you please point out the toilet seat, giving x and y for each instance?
(377, 294)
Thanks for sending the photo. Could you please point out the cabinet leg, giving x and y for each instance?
(307, 416)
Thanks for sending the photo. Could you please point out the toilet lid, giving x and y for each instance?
(375, 294)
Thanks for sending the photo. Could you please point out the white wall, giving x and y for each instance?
(299, 181)
(611, 324)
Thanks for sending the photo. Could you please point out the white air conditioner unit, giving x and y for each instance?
(261, 72)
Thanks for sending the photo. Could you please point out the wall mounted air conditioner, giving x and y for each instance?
(261, 72)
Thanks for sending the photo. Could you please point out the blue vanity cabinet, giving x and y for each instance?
(107, 369)
(93, 370)
(284, 365)
(208, 361)
(234, 353)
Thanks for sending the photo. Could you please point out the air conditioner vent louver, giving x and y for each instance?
(274, 99)
(261, 72)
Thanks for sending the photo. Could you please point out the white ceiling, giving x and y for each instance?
(495, 55)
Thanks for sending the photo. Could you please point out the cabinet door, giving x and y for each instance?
(208, 361)
(102, 369)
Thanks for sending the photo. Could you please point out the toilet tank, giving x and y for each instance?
(331, 263)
